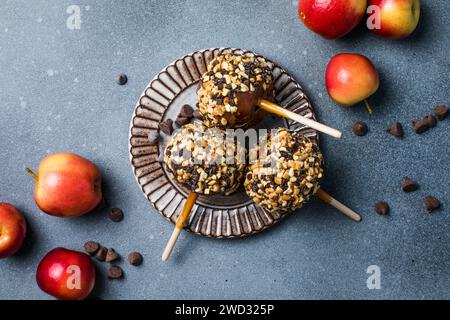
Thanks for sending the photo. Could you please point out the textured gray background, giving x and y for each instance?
(58, 94)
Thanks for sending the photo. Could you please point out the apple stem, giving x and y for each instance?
(368, 107)
(31, 173)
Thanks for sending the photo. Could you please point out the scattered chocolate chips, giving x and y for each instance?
(396, 130)
(441, 112)
(116, 215)
(382, 208)
(121, 79)
(91, 247)
(186, 111)
(115, 272)
(135, 259)
(166, 126)
(431, 203)
(430, 120)
(409, 185)
(112, 255)
(181, 121)
(153, 138)
(101, 254)
(360, 128)
(197, 115)
(420, 126)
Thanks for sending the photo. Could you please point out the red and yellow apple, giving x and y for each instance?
(13, 229)
(67, 185)
(397, 18)
(351, 78)
(331, 19)
(66, 274)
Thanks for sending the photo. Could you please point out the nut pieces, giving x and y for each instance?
(289, 174)
(202, 159)
(227, 76)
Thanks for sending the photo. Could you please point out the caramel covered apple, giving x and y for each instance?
(286, 171)
(231, 88)
(201, 159)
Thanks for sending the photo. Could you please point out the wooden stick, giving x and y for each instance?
(341, 207)
(180, 225)
(282, 112)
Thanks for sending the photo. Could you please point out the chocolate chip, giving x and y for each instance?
(115, 272)
(430, 120)
(181, 121)
(121, 79)
(166, 126)
(382, 208)
(186, 111)
(360, 128)
(91, 247)
(431, 203)
(441, 112)
(153, 137)
(197, 114)
(111, 255)
(420, 126)
(135, 259)
(101, 254)
(116, 215)
(409, 185)
(396, 130)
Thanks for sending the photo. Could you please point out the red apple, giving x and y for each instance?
(67, 185)
(331, 19)
(13, 229)
(397, 18)
(351, 78)
(66, 274)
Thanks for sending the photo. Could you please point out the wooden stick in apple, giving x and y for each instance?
(235, 85)
(181, 222)
(283, 182)
(282, 112)
(198, 159)
(324, 196)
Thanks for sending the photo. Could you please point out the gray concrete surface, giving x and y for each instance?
(57, 93)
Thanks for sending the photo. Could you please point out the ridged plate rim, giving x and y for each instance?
(248, 218)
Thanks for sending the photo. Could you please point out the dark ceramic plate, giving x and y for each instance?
(213, 216)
